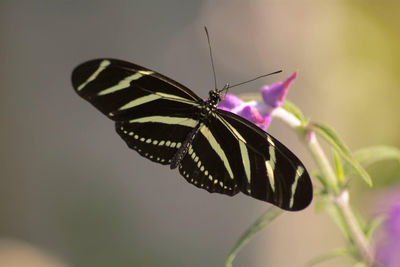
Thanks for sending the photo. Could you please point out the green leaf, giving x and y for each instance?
(292, 108)
(337, 217)
(320, 179)
(338, 166)
(369, 155)
(373, 154)
(332, 138)
(332, 254)
(360, 171)
(360, 264)
(372, 226)
(271, 214)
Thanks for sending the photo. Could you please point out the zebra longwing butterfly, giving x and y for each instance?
(213, 149)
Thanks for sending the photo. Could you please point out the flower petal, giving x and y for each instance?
(251, 113)
(275, 94)
(230, 102)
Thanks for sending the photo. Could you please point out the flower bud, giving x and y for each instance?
(274, 94)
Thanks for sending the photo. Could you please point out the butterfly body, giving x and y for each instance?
(213, 149)
(207, 108)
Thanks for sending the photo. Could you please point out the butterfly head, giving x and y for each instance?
(216, 95)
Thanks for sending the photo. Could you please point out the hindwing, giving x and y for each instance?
(205, 164)
(264, 168)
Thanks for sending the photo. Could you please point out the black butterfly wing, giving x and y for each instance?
(155, 114)
(152, 113)
(264, 168)
(152, 138)
(205, 164)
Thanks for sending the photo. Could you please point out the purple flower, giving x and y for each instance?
(275, 94)
(230, 102)
(388, 251)
(259, 113)
(251, 113)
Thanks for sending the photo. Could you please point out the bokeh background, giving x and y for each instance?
(73, 194)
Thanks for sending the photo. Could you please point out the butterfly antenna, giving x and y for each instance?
(226, 88)
(212, 60)
(256, 78)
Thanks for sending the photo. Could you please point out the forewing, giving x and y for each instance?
(264, 168)
(115, 87)
(153, 113)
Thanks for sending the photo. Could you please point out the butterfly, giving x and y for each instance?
(213, 149)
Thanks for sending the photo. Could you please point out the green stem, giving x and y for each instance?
(364, 248)
(322, 162)
(341, 197)
(270, 215)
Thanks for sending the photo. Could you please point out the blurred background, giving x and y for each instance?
(73, 194)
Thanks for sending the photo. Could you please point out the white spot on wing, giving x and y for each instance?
(102, 66)
(167, 120)
(272, 156)
(242, 145)
(125, 83)
(217, 148)
(176, 98)
(246, 161)
(270, 173)
(140, 101)
(299, 173)
(231, 129)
